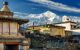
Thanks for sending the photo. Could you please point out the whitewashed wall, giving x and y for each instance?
(76, 32)
(66, 25)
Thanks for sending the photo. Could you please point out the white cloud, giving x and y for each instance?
(57, 6)
(20, 15)
(73, 18)
(41, 0)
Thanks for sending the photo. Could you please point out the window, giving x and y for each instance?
(13, 28)
(5, 28)
(73, 26)
(44, 31)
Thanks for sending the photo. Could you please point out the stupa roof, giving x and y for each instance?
(18, 20)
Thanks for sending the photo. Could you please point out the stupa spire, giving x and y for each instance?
(5, 11)
(5, 7)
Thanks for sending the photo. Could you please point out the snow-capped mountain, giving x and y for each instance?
(43, 18)
(46, 17)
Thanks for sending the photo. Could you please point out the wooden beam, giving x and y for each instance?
(9, 28)
(17, 28)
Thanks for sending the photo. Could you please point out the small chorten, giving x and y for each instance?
(65, 19)
(5, 11)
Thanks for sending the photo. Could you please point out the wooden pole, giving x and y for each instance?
(33, 25)
(2, 27)
(9, 28)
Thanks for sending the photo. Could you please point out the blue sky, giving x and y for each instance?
(37, 7)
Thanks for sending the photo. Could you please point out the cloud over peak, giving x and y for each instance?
(42, 0)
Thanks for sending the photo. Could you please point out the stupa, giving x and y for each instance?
(10, 37)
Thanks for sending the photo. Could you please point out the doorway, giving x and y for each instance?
(11, 47)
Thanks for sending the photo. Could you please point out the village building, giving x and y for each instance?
(63, 31)
(50, 29)
(54, 40)
(10, 37)
(71, 27)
